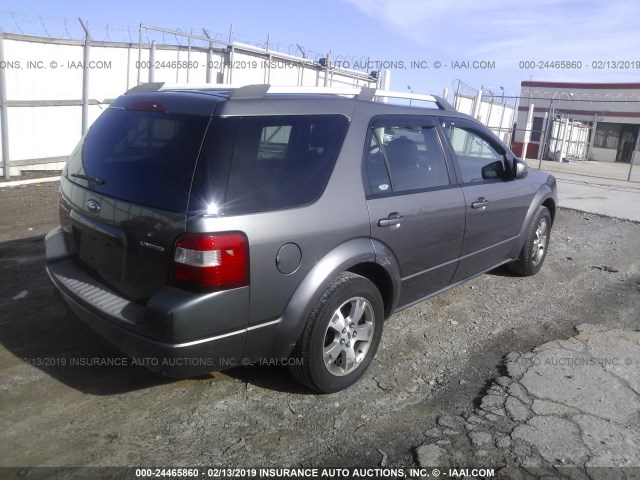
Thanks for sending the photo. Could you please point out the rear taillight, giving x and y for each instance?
(211, 262)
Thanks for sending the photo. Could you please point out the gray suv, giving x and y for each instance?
(206, 228)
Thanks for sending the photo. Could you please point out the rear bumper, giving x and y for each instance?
(170, 334)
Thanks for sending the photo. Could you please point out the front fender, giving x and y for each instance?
(547, 190)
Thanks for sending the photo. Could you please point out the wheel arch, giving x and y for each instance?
(551, 206)
(356, 256)
(545, 197)
(377, 275)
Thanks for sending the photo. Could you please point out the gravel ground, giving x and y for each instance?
(438, 359)
(28, 210)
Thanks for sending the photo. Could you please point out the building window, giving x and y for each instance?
(607, 135)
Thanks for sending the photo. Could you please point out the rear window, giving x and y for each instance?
(276, 162)
(143, 157)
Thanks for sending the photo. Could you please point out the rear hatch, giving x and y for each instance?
(125, 190)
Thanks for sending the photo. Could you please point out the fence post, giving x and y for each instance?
(543, 137)
(594, 126)
(230, 66)
(139, 55)
(209, 64)
(267, 70)
(488, 122)
(152, 61)
(633, 154)
(504, 107)
(128, 64)
(85, 77)
(209, 58)
(386, 83)
(326, 70)
(477, 104)
(189, 57)
(565, 129)
(4, 114)
(527, 132)
(570, 140)
(231, 55)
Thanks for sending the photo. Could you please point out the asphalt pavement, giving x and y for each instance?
(612, 198)
(567, 409)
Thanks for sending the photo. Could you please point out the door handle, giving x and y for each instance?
(392, 220)
(480, 203)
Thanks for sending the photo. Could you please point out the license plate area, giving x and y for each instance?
(102, 253)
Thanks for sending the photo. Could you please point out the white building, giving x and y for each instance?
(601, 120)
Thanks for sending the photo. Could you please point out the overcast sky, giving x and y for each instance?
(397, 32)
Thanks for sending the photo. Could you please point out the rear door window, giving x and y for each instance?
(144, 157)
(404, 157)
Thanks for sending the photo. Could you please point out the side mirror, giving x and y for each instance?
(519, 168)
(493, 170)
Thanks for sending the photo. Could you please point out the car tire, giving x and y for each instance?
(535, 246)
(341, 335)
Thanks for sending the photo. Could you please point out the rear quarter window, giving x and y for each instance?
(277, 162)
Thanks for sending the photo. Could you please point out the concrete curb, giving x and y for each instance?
(18, 183)
(612, 199)
(602, 215)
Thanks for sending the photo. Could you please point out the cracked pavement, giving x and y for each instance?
(567, 403)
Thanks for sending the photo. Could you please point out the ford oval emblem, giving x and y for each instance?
(93, 206)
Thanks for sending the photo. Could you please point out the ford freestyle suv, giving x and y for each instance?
(205, 228)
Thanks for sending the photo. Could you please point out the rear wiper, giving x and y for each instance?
(97, 180)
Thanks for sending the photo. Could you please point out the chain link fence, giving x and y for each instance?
(71, 29)
(581, 133)
(57, 75)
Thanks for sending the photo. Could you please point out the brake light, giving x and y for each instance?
(211, 262)
(146, 106)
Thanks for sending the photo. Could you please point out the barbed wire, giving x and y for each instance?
(500, 95)
(491, 94)
(41, 25)
(549, 96)
(71, 29)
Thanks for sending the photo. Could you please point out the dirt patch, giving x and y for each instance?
(70, 399)
(28, 210)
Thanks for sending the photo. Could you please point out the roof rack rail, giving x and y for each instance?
(260, 90)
